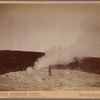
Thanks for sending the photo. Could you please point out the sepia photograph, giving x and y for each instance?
(50, 47)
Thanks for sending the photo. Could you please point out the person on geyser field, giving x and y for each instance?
(50, 70)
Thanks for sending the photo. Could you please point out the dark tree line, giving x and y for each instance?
(88, 64)
(17, 60)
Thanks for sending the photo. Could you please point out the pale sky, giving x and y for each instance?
(39, 27)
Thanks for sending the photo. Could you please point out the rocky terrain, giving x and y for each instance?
(39, 80)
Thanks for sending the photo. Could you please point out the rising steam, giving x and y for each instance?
(87, 45)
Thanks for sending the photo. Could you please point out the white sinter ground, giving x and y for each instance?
(40, 80)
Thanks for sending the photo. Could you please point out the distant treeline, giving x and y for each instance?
(11, 61)
(17, 60)
(88, 64)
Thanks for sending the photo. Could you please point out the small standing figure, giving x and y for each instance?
(49, 71)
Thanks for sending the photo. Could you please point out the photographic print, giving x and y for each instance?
(50, 47)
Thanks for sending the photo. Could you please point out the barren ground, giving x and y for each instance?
(38, 80)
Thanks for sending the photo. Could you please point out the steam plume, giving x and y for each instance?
(88, 44)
